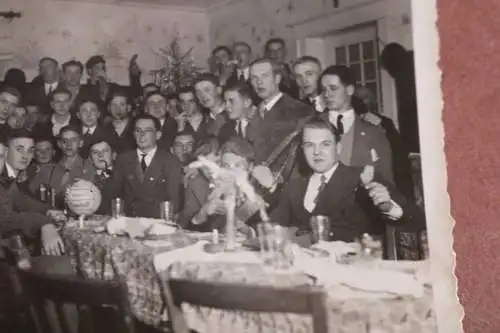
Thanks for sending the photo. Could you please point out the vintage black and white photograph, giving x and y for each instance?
(221, 166)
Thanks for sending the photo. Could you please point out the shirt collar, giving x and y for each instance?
(66, 122)
(89, 130)
(269, 105)
(328, 174)
(345, 114)
(10, 171)
(152, 152)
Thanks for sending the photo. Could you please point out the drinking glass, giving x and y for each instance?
(117, 208)
(274, 242)
(320, 226)
(167, 211)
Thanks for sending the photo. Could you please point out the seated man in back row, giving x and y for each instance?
(335, 190)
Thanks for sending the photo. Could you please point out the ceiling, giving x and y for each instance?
(193, 4)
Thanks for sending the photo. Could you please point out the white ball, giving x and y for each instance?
(83, 198)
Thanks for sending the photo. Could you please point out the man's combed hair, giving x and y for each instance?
(207, 77)
(70, 128)
(240, 147)
(306, 59)
(319, 123)
(222, 48)
(209, 145)
(156, 121)
(20, 133)
(70, 63)
(265, 60)
(274, 40)
(344, 74)
(60, 90)
(242, 88)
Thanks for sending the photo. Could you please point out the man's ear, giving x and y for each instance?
(277, 78)
(158, 135)
(219, 92)
(80, 143)
(113, 156)
(350, 89)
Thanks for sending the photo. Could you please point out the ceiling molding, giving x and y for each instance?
(136, 4)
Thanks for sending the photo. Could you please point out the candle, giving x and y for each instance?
(215, 236)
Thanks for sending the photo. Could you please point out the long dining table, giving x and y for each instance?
(146, 267)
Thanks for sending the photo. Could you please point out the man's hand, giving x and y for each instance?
(371, 118)
(264, 176)
(57, 215)
(52, 243)
(382, 199)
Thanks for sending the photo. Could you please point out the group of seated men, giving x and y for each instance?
(304, 157)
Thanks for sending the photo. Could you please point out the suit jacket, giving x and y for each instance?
(208, 126)
(125, 141)
(18, 211)
(143, 192)
(104, 183)
(346, 203)
(168, 132)
(38, 97)
(227, 131)
(283, 118)
(369, 147)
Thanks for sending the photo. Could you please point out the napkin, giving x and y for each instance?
(369, 279)
(138, 227)
(196, 253)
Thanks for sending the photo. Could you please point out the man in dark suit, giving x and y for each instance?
(60, 104)
(19, 212)
(278, 116)
(354, 201)
(275, 49)
(243, 56)
(238, 99)
(121, 127)
(40, 92)
(102, 157)
(191, 118)
(362, 142)
(209, 95)
(98, 84)
(72, 73)
(145, 177)
(88, 112)
(10, 98)
(306, 71)
(155, 104)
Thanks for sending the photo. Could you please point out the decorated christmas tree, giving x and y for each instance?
(178, 70)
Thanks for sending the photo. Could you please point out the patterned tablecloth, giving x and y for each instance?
(102, 256)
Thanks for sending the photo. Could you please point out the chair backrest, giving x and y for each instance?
(301, 300)
(89, 296)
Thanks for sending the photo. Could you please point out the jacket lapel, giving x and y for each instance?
(154, 169)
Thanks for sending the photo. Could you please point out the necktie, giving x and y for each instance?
(241, 76)
(340, 125)
(320, 188)
(87, 132)
(50, 90)
(144, 166)
(262, 110)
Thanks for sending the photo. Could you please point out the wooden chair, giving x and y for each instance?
(225, 296)
(91, 297)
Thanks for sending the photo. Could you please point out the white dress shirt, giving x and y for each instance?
(10, 171)
(56, 126)
(244, 123)
(149, 155)
(313, 187)
(50, 87)
(347, 118)
(264, 107)
(245, 71)
(89, 130)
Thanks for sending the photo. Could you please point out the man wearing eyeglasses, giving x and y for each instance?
(147, 176)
